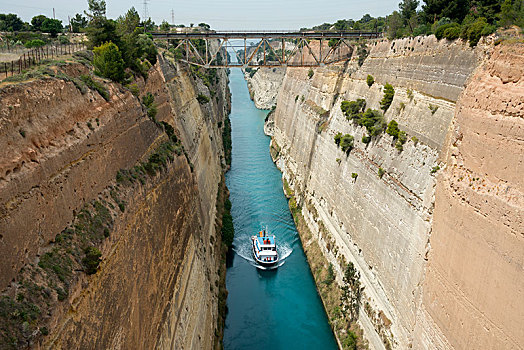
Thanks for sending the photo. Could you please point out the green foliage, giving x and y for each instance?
(10, 22)
(415, 140)
(228, 230)
(52, 26)
(95, 85)
(351, 292)
(433, 108)
(226, 140)
(164, 26)
(58, 263)
(402, 137)
(475, 30)
(435, 169)
(512, 12)
(409, 93)
(346, 143)
(354, 176)
(37, 21)
(330, 275)
(350, 341)
(108, 62)
(374, 122)
(366, 139)
(78, 23)
(201, 98)
(310, 73)
(91, 260)
(381, 172)
(362, 53)
(439, 32)
(34, 43)
(386, 101)
(337, 138)
(370, 80)
(393, 129)
(353, 109)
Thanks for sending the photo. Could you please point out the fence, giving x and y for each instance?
(35, 56)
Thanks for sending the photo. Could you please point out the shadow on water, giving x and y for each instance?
(283, 302)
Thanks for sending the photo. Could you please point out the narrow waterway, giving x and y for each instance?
(274, 309)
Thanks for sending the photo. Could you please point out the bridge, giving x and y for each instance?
(263, 48)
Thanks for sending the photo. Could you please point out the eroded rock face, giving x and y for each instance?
(474, 287)
(156, 286)
(264, 86)
(386, 224)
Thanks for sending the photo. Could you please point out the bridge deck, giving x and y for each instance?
(267, 35)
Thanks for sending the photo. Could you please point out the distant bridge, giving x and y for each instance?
(264, 48)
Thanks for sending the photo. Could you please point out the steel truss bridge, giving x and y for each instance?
(264, 49)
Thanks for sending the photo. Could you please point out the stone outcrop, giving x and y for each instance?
(375, 207)
(264, 86)
(157, 283)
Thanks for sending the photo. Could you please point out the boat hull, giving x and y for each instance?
(262, 262)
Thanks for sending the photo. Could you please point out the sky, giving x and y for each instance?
(221, 15)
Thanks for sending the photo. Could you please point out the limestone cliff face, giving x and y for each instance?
(383, 224)
(264, 86)
(157, 283)
(474, 286)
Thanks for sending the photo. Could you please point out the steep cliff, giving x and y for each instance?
(374, 206)
(81, 173)
(264, 85)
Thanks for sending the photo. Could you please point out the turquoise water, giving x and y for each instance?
(274, 309)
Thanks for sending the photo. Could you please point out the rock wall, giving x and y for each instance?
(384, 224)
(474, 285)
(157, 284)
(264, 86)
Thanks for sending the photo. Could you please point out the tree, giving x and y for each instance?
(97, 9)
(78, 23)
(454, 9)
(351, 292)
(101, 30)
(389, 92)
(394, 25)
(37, 21)
(165, 27)
(52, 26)
(393, 129)
(408, 8)
(370, 80)
(10, 23)
(346, 143)
(108, 62)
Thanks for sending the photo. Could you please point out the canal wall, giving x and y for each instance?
(81, 174)
(434, 229)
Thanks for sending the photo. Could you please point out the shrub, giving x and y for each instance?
(337, 138)
(354, 175)
(370, 80)
(353, 109)
(366, 139)
(346, 143)
(393, 129)
(148, 99)
(310, 73)
(439, 32)
(381, 172)
(201, 98)
(409, 92)
(133, 88)
(474, 31)
(350, 342)
(374, 122)
(34, 43)
(415, 140)
(435, 169)
(433, 108)
(402, 137)
(228, 231)
(91, 260)
(330, 275)
(108, 62)
(389, 92)
(452, 33)
(95, 85)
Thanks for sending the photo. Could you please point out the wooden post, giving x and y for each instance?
(5, 66)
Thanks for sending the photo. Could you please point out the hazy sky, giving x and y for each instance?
(224, 14)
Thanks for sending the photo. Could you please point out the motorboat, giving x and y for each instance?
(265, 249)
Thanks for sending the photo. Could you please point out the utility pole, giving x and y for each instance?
(146, 14)
(54, 13)
(172, 17)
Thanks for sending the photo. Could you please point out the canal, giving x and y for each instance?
(272, 309)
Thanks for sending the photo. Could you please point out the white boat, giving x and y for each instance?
(264, 249)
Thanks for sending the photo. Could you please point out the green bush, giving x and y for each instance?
(310, 73)
(386, 101)
(228, 230)
(381, 172)
(91, 260)
(439, 32)
(95, 85)
(452, 33)
(201, 98)
(393, 129)
(374, 122)
(366, 139)
(353, 109)
(370, 80)
(433, 108)
(346, 143)
(34, 43)
(475, 30)
(108, 62)
(337, 138)
(402, 137)
(354, 176)
(330, 275)
(350, 342)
